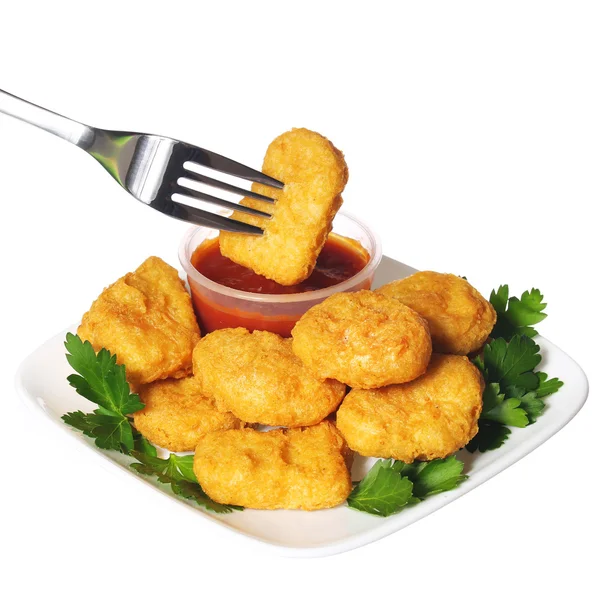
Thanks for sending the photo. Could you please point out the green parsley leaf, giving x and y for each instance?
(547, 386)
(141, 444)
(102, 381)
(515, 316)
(391, 485)
(79, 420)
(532, 405)
(382, 492)
(177, 472)
(496, 407)
(512, 363)
(110, 431)
(435, 476)
(491, 435)
(499, 299)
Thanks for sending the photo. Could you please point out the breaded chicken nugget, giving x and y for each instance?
(364, 339)
(146, 319)
(460, 318)
(281, 468)
(177, 414)
(430, 417)
(258, 378)
(314, 173)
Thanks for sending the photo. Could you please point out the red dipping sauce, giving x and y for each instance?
(340, 259)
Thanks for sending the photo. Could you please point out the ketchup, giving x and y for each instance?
(340, 259)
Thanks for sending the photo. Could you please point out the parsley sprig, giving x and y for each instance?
(514, 391)
(102, 381)
(177, 472)
(391, 485)
(516, 316)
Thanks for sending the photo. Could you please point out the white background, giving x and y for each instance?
(472, 133)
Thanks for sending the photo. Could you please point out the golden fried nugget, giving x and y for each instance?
(460, 318)
(282, 468)
(258, 378)
(364, 339)
(145, 318)
(177, 414)
(430, 417)
(314, 173)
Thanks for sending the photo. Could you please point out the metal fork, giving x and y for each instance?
(153, 168)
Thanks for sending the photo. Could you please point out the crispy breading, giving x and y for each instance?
(300, 468)
(314, 173)
(258, 378)
(145, 318)
(363, 339)
(460, 318)
(430, 417)
(177, 414)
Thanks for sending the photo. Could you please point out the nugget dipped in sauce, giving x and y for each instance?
(145, 318)
(460, 318)
(177, 414)
(430, 417)
(302, 468)
(363, 339)
(314, 173)
(258, 378)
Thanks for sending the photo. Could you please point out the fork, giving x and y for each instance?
(153, 168)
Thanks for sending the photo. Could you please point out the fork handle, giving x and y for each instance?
(77, 133)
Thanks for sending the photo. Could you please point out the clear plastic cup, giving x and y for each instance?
(218, 306)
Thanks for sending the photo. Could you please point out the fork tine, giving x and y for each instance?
(225, 186)
(220, 163)
(185, 191)
(208, 219)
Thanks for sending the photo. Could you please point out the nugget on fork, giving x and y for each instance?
(314, 173)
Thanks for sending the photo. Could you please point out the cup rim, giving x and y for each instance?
(365, 272)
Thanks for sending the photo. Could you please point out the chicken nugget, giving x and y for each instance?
(145, 318)
(430, 417)
(177, 414)
(364, 339)
(258, 378)
(282, 468)
(460, 318)
(314, 173)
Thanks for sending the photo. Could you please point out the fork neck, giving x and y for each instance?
(72, 131)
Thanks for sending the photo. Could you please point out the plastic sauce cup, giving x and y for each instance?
(218, 306)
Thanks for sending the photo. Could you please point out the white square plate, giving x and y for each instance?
(41, 382)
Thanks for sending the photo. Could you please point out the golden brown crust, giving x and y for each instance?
(363, 339)
(177, 414)
(460, 318)
(314, 173)
(282, 468)
(145, 318)
(430, 417)
(258, 378)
